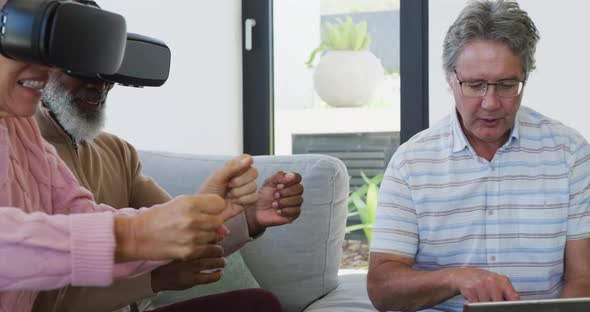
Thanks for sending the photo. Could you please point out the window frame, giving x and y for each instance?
(258, 77)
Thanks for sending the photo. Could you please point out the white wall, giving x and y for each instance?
(298, 23)
(558, 87)
(199, 109)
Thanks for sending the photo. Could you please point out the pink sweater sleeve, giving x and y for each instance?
(84, 235)
(40, 251)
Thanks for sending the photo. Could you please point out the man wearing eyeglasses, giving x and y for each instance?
(491, 203)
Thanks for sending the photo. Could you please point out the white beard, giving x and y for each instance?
(81, 125)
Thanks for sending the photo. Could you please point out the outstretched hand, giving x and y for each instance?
(279, 202)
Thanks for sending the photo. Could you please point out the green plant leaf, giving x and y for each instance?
(371, 209)
(363, 202)
(361, 191)
(366, 43)
(377, 179)
(360, 38)
(309, 62)
(358, 227)
(358, 203)
(365, 178)
(352, 214)
(344, 35)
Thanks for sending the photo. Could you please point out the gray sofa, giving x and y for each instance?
(298, 262)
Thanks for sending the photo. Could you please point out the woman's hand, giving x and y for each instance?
(179, 229)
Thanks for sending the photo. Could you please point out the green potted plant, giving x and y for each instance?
(363, 202)
(347, 73)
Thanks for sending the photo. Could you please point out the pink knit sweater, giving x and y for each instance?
(51, 232)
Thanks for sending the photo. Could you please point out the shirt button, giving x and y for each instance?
(490, 212)
(493, 258)
(493, 168)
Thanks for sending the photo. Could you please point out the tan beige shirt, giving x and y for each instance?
(110, 168)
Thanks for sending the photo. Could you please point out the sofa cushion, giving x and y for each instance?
(350, 296)
(298, 262)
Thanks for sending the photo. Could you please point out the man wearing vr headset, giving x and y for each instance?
(71, 119)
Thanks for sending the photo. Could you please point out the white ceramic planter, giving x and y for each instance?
(347, 78)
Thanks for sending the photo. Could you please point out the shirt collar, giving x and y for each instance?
(460, 141)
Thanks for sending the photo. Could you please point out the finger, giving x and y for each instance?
(204, 222)
(208, 264)
(291, 178)
(244, 178)
(243, 190)
(290, 212)
(196, 251)
(207, 203)
(207, 278)
(231, 210)
(495, 293)
(203, 238)
(213, 251)
(222, 232)
(509, 292)
(291, 190)
(511, 296)
(282, 179)
(293, 201)
(232, 168)
(470, 295)
(482, 295)
(217, 183)
(274, 180)
(247, 199)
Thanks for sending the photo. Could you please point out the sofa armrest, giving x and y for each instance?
(298, 262)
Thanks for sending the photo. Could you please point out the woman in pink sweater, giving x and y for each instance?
(53, 234)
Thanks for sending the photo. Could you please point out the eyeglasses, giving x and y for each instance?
(504, 88)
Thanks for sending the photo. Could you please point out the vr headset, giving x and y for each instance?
(146, 63)
(69, 35)
(82, 39)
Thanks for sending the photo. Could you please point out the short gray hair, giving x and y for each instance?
(501, 21)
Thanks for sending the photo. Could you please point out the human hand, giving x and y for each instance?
(180, 275)
(236, 182)
(279, 202)
(478, 285)
(179, 229)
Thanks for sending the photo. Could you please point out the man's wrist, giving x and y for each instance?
(254, 228)
(450, 279)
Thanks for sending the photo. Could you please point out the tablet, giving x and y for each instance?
(542, 305)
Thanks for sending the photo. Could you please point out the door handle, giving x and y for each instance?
(249, 24)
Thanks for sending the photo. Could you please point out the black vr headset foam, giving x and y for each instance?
(146, 64)
(63, 34)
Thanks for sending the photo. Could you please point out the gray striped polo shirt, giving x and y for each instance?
(446, 207)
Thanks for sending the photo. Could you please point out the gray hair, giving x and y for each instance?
(501, 21)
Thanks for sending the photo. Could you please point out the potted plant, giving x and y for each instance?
(348, 72)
